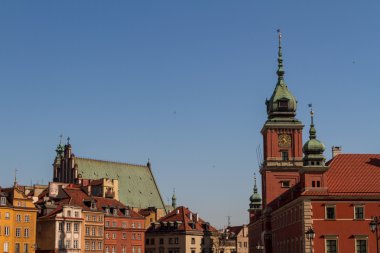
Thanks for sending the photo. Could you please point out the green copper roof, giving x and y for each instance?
(255, 198)
(137, 186)
(282, 102)
(313, 148)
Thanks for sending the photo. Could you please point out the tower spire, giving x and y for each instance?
(255, 185)
(174, 199)
(280, 70)
(312, 131)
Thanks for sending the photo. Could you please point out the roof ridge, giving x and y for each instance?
(108, 161)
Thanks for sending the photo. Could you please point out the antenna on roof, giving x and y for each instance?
(258, 155)
(228, 221)
(16, 170)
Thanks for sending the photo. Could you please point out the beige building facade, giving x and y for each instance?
(181, 231)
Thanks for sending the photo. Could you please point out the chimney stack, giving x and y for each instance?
(336, 150)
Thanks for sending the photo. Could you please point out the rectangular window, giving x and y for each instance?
(26, 232)
(60, 226)
(361, 246)
(17, 247)
(18, 217)
(282, 104)
(75, 244)
(359, 212)
(60, 244)
(7, 216)
(330, 212)
(161, 240)
(68, 213)
(18, 232)
(26, 247)
(87, 245)
(107, 249)
(93, 245)
(113, 224)
(87, 231)
(100, 231)
(285, 184)
(6, 247)
(76, 214)
(76, 227)
(27, 218)
(68, 227)
(192, 240)
(284, 155)
(124, 225)
(124, 235)
(113, 249)
(100, 246)
(3, 201)
(113, 236)
(67, 244)
(331, 246)
(107, 224)
(93, 231)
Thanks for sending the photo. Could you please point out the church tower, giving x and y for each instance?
(282, 137)
(255, 202)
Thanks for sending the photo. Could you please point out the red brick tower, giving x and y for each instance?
(282, 137)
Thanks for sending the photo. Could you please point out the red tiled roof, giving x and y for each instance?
(354, 174)
(77, 197)
(236, 229)
(182, 214)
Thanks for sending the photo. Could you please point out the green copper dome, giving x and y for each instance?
(255, 199)
(282, 102)
(313, 148)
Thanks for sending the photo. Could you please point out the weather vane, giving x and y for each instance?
(279, 35)
(311, 113)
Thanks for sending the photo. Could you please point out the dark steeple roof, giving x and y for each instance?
(282, 105)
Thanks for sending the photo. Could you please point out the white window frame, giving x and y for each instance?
(332, 238)
(356, 218)
(330, 206)
(361, 238)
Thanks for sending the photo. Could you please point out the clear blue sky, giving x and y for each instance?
(182, 83)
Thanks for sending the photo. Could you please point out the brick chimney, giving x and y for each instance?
(336, 150)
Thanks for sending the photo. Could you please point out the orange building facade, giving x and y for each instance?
(301, 191)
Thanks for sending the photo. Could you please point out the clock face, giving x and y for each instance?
(284, 140)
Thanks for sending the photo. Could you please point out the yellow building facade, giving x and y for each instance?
(18, 217)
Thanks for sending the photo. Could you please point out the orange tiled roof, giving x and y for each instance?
(354, 174)
(186, 218)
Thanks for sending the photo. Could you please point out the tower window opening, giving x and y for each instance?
(313, 184)
(283, 104)
(285, 184)
(284, 155)
(318, 183)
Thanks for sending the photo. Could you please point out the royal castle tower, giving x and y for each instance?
(282, 139)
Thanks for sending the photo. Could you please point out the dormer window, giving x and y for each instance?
(107, 210)
(283, 104)
(127, 212)
(115, 211)
(93, 205)
(3, 201)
